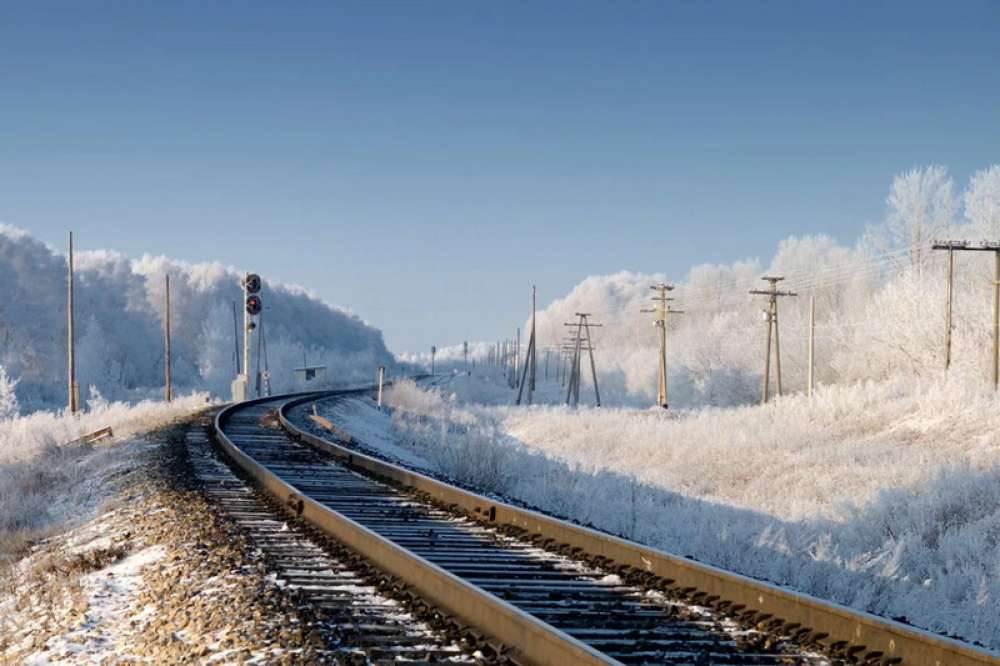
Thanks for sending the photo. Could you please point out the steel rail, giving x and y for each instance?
(857, 632)
(533, 642)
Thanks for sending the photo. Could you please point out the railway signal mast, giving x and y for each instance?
(660, 318)
(252, 307)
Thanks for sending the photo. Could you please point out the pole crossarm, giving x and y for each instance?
(983, 246)
(660, 313)
(771, 318)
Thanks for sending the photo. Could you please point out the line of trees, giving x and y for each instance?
(120, 329)
(880, 305)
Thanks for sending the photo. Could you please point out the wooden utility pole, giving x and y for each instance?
(771, 317)
(660, 319)
(531, 346)
(948, 305)
(167, 390)
(583, 324)
(528, 374)
(380, 380)
(517, 355)
(812, 344)
(987, 246)
(73, 401)
(996, 318)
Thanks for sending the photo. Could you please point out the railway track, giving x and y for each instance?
(359, 622)
(531, 589)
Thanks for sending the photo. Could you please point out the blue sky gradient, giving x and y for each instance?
(423, 164)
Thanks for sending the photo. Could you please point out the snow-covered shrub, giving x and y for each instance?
(883, 496)
(45, 480)
(457, 442)
(9, 407)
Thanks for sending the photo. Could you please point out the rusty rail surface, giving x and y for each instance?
(857, 632)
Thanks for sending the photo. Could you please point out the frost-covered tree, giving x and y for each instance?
(215, 352)
(982, 202)
(922, 206)
(9, 407)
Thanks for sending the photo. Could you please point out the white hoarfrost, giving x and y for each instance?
(119, 326)
(882, 496)
(48, 481)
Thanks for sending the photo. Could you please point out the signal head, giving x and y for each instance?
(252, 283)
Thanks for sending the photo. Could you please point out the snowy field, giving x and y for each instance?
(882, 496)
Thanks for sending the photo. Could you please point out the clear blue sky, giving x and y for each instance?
(423, 164)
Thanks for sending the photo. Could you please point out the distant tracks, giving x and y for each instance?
(532, 589)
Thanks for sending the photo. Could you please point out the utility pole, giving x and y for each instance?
(771, 317)
(517, 355)
(74, 388)
(168, 391)
(660, 318)
(531, 346)
(529, 357)
(996, 317)
(986, 246)
(433, 352)
(812, 345)
(947, 316)
(380, 380)
(583, 324)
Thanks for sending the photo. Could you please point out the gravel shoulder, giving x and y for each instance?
(159, 576)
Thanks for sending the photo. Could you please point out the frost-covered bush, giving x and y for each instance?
(454, 439)
(9, 407)
(883, 496)
(46, 479)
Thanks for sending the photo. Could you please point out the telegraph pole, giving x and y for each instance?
(380, 380)
(74, 388)
(529, 358)
(996, 318)
(531, 346)
(168, 392)
(582, 324)
(771, 317)
(947, 316)
(986, 246)
(660, 318)
(517, 355)
(812, 344)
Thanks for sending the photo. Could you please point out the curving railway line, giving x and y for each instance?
(521, 587)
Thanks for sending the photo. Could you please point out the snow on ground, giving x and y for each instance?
(48, 483)
(881, 496)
